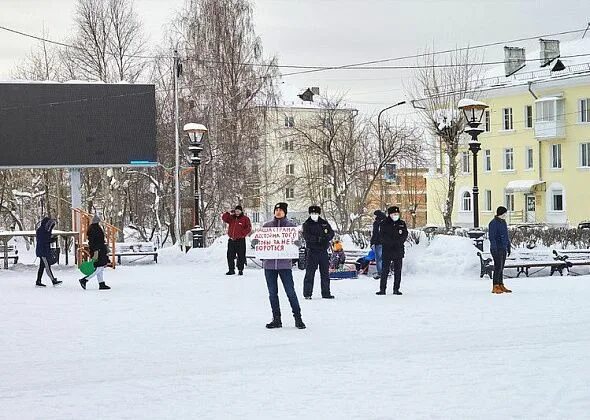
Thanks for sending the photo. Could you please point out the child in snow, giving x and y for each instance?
(362, 264)
(338, 256)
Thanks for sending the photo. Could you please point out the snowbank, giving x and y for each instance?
(446, 256)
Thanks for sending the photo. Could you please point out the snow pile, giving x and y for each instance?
(444, 256)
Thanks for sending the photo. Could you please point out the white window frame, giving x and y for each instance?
(487, 121)
(466, 201)
(509, 201)
(487, 160)
(526, 116)
(507, 119)
(289, 121)
(288, 145)
(555, 156)
(529, 158)
(290, 169)
(465, 163)
(554, 193)
(508, 157)
(585, 155)
(487, 199)
(584, 111)
(327, 193)
(289, 193)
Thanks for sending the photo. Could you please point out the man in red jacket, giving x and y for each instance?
(239, 228)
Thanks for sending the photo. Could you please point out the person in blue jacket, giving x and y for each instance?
(500, 248)
(44, 238)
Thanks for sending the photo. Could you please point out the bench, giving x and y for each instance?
(135, 249)
(9, 252)
(524, 260)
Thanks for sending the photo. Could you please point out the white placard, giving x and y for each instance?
(276, 243)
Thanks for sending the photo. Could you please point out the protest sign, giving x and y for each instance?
(276, 243)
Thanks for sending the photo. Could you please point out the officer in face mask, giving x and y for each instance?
(393, 233)
(317, 234)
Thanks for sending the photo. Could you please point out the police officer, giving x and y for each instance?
(393, 233)
(317, 233)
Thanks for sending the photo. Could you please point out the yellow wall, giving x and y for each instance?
(575, 180)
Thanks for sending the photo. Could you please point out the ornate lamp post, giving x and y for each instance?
(195, 134)
(473, 112)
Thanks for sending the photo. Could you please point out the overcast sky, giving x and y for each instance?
(335, 32)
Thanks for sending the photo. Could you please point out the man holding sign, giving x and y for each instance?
(279, 244)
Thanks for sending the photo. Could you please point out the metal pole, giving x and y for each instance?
(177, 215)
(475, 147)
(380, 143)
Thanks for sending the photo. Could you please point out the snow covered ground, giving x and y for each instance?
(180, 340)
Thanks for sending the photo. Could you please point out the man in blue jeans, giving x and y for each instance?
(376, 242)
(273, 269)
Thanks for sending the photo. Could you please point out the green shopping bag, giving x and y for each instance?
(87, 267)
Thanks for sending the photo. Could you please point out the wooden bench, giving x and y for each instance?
(135, 249)
(9, 252)
(524, 260)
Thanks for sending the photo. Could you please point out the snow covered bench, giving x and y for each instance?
(9, 252)
(135, 249)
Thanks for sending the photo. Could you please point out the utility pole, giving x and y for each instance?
(177, 216)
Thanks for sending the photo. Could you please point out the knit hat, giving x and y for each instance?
(238, 207)
(315, 209)
(393, 209)
(501, 210)
(282, 206)
(95, 219)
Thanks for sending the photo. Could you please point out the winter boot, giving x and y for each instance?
(56, 282)
(275, 323)
(376, 276)
(299, 322)
(497, 289)
(240, 273)
(328, 297)
(380, 292)
(504, 289)
(83, 282)
(397, 292)
(39, 284)
(307, 297)
(103, 286)
(230, 273)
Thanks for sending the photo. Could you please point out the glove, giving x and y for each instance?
(95, 256)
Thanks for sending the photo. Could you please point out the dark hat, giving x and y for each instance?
(501, 210)
(393, 209)
(281, 205)
(315, 209)
(238, 207)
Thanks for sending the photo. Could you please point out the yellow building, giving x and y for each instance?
(535, 151)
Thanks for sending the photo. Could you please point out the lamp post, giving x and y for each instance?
(473, 112)
(195, 134)
(381, 142)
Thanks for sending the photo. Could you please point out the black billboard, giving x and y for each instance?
(77, 125)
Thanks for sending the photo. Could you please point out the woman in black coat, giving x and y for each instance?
(99, 253)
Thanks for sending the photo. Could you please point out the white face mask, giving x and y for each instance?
(503, 216)
(314, 217)
(394, 217)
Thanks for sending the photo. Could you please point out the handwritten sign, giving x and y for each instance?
(276, 243)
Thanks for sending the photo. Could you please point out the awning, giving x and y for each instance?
(522, 185)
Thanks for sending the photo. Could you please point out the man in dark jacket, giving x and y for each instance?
(500, 248)
(239, 227)
(275, 268)
(317, 233)
(98, 252)
(44, 238)
(376, 242)
(393, 233)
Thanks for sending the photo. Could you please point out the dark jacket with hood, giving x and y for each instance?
(498, 234)
(44, 237)
(318, 234)
(393, 235)
(379, 217)
(96, 242)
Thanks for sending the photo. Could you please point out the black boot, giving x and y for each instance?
(275, 323)
(299, 322)
(328, 297)
(307, 297)
(39, 284)
(240, 273)
(56, 282)
(230, 273)
(397, 292)
(83, 282)
(380, 292)
(103, 286)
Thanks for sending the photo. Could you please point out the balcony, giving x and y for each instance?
(550, 118)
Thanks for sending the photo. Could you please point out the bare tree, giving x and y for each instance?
(438, 90)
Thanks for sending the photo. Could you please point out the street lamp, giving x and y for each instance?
(473, 112)
(380, 139)
(195, 136)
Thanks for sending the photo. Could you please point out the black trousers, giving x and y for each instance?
(499, 257)
(44, 266)
(236, 248)
(388, 261)
(317, 258)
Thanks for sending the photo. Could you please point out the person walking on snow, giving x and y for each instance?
(500, 248)
(239, 227)
(44, 237)
(99, 253)
(393, 233)
(317, 233)
(273, 269)
(376, 242)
